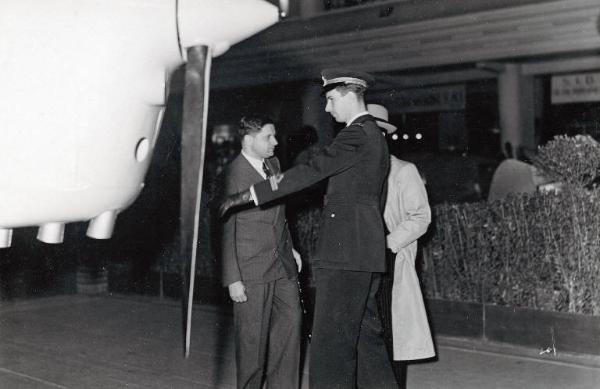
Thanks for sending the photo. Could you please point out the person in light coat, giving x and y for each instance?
(407, 215)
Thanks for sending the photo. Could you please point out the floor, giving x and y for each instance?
(134, 342)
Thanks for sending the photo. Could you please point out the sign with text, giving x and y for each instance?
(445, 98)
(576, 88)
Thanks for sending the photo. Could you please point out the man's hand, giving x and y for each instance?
(298, 259)
(389, 243)
(234, 200)
(275, 180)
(237, 292)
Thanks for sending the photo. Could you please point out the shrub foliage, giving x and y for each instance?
(574, 160)
(539, 250)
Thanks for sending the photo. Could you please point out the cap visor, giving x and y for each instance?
(329, 87)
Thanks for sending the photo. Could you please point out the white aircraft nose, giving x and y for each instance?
(100, 91)
(220, 24)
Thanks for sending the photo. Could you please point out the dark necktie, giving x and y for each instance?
(266, 170)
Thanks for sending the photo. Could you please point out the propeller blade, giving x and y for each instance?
(193, 143)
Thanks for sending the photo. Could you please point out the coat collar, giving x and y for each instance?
(357, 117)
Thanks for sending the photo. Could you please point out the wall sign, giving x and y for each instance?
(446, 98)
(575, 88)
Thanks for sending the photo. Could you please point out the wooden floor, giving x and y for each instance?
(86, 342)
(132, 342)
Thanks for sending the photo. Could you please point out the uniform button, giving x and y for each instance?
(333, 214)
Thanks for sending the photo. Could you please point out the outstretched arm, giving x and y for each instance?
(345, 151)
(234, 200)
(246, 196)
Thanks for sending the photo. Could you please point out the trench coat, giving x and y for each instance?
(407, 216)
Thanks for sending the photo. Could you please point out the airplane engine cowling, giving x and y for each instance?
(222, 23)
(83, 91)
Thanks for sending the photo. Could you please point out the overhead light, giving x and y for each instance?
(419, 136)
(405, 137)
(395, 136)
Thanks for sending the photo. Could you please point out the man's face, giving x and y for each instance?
(336, 105)
(262, 144)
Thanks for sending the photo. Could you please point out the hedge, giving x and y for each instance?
(539, 251)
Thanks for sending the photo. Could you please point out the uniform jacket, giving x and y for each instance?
(407, 215)
(352, 234)
(257, 246)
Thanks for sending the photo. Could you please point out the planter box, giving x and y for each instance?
(564, 331)
(518, 326)
(125, 280)
(91, 281)
(455, 318)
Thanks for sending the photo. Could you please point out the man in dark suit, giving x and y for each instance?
(347, 348)
(260, 270)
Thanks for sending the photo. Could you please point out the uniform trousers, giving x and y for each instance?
(267, 331)
(347, 347)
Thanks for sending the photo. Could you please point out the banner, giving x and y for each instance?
(434, 99)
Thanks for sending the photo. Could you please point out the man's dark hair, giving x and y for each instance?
(252, 124)
(359, 90)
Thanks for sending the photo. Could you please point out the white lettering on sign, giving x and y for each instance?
(575, 88)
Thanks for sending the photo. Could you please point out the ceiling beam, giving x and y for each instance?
(580, 64)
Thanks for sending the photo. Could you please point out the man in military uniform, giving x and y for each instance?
(347, 348)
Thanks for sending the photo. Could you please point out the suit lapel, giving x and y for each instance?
(251, 176)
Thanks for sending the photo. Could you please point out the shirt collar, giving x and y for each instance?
(353, 118)
(256, 163)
